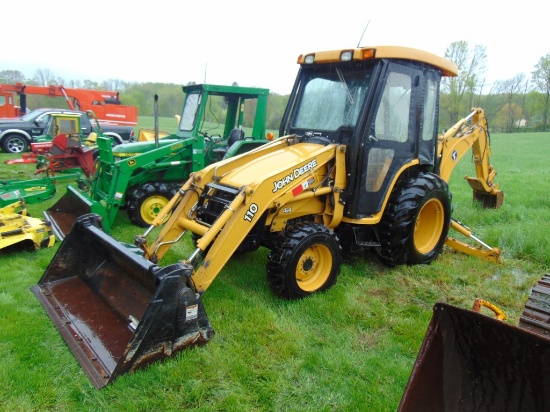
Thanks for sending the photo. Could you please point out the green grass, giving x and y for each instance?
(349, 349)
(164, 123)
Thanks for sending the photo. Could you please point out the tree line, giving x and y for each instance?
(511, 105)
(516, 104)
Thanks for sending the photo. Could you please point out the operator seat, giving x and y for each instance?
(234, 136)
(91, 139)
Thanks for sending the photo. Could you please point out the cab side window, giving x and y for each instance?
(392, 118)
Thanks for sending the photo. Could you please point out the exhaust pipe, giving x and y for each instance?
(117, 311)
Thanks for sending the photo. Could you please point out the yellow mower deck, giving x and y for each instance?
(17, 228)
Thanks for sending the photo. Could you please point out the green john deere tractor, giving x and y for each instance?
(217, 122)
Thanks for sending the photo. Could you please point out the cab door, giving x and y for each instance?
(403, 129)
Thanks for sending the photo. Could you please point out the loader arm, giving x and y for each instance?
(284, 178)
(471, 132)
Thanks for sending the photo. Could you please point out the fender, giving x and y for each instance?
(16, 131)
(116, 137)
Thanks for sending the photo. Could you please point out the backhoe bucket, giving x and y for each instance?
(472, 362)
(117, 311)
(63, 213)
(489, 200)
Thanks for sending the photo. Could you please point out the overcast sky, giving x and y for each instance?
(253, 43)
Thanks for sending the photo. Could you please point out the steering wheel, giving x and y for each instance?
(205, 135)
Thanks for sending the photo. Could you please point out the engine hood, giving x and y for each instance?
(134, 148)
(10, 122)
(284, 165)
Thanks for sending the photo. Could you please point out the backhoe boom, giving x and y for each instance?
(471, 132)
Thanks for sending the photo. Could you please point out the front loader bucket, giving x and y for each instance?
(117, 311)
(472, 362)
(63, 213)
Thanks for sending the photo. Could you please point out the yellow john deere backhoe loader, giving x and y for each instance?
(359, 165)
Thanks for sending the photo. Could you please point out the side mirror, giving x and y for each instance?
(41, 120)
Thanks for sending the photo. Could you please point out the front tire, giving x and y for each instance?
(416, 221)
(15, 144)
(305, 260)
(145, 202)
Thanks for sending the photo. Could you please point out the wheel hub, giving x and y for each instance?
(307, 264)
(314, 267)
(15, 146)
(151, 207)
(429, 226)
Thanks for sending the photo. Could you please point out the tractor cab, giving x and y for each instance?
(215, 116)
(383, 109)
(70, 127)
(67, 124)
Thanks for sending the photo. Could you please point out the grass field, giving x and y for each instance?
(349, 349)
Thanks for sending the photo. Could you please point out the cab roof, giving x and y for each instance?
(447, 67)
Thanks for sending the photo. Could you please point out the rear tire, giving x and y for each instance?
(415, 224)
(305, 260)
(145, 202)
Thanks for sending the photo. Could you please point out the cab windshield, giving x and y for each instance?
(189, 115)
(331, 98)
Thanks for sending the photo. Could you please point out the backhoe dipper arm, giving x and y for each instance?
(471, 132)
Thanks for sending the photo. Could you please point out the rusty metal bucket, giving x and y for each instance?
(117, 311)
(472, 362)
(64, 213)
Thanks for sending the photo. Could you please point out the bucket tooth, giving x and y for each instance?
(489, 200)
